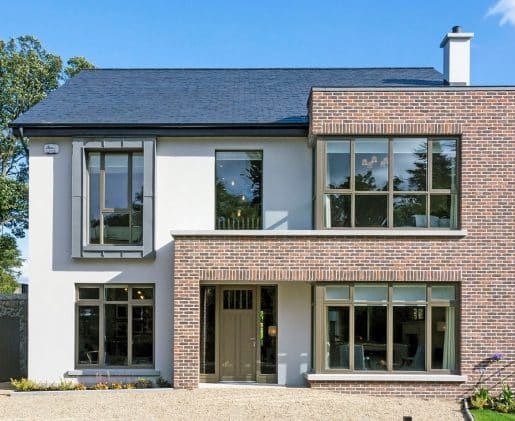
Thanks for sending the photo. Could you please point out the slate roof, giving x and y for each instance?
(204, 96)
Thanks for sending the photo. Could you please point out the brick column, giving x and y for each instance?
(186, 329)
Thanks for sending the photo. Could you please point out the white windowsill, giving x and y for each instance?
(113, 372)
(323, 233)
(379, 377)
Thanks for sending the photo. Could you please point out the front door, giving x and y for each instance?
(238, 334)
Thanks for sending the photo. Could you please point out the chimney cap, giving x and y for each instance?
(456, 34)
(456, 29)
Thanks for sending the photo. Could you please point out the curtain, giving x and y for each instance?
(327, 208)
(449, 341)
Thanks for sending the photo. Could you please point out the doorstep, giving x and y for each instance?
(379, 377)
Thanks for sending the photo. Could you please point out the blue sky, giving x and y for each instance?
(269, 33)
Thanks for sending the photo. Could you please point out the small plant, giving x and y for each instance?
(144, 384)
(116, 386)
(80, 386)
(26, 385)
(481, 398)
(100, 386)
(160, 382)
(129, 386)
(66, 385)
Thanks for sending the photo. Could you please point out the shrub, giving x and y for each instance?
(481, 398)
(160, 382)
(100, 386)
(129, 386)
(66, 385)
(144, 384)
(26, 385)
(80, 386)
(116, 386)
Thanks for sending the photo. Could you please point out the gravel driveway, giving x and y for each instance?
(259, 403)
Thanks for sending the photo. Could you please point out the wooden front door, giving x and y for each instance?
(238, 334)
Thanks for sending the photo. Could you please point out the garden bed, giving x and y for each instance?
(489, 415)
(27, 385)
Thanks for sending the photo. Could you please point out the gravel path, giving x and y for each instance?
(223, 404)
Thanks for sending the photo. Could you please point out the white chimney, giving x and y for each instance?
(456, 57)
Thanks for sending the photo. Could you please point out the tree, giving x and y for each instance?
(10, 261)
(27, 74)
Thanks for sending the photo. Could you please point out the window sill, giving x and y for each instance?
(114, 372)
(323, 233)
(379, 377)
(114, 252)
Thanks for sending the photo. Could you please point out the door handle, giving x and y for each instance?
(253, 340)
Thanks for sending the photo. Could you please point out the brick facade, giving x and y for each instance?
(483, 262)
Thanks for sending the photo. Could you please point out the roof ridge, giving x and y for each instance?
(258, 68)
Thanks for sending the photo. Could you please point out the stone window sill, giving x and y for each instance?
(379, 377)
(114, 252)
(114, 372)
(323, 233)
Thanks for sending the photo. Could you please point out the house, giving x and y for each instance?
(349, 229)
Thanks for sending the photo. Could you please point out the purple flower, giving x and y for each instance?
(496, 357)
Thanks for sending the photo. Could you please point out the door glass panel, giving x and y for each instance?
(88, 343)
(409, 338)
(142, 334)
(116, 228)
(370, 338)
(337, 210)
(443, 338)
(409, 211)
(235, 299)
(337, 353)
(94, 197)
(116, 181)
(371, 165)
(338, 165)
(410, 164)
(116, 329)
(371, 210)
(444, 164)
(238, 190)
(268, 329)
(207, 329)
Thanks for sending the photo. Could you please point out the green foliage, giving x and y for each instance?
(481, 398)
(488, 415)
(26, 385)
(10, 261)
(160, 382)
(144, 384)
(66, 385)
(28, 73)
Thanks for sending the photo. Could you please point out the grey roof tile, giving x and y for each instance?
(204, 96)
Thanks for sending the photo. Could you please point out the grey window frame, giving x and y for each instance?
(322, 190)
(80, 198)
(100, 302)
(320, 334)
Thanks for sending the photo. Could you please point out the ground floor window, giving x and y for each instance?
(386, 327)
(115, 325)
(238, 332)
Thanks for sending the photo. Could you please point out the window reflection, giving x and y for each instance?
(370, 338)
(410, 164)
(337, 337)
(338, 165)
(371, 164)
(409, 338)
(444, 164)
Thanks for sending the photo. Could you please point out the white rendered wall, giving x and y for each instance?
(294, 327)
(184, 199)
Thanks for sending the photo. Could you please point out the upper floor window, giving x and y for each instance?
(389, 183)
(115, 197)
(239, 177)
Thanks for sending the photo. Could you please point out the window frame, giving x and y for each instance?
(261, 214)
(322, 191)
(320, 334)
(80, 247)
(101, 302)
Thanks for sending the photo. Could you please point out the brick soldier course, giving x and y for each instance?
(482, 262)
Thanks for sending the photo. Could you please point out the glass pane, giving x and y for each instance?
(238, 190)
(116, 334)
(88, 334)
(116, 293)
(409, 211)
(444, 164)
(337, 210)
(370, 338)
(268, 330)
(142, 334)
(409, 293)
(443, 292)
(337, 293)
(145, 293)
(137, 198)
(89, 293)
(94, 197)
(338, 165)
(371, 211)
(116, 228)
(371, 164)
(337, 354)
(444, 211)
(116, 180)
(367, 292)
(443, 338)
(409, 338)
(409, 164)
(207, 329)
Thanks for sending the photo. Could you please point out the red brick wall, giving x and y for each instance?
(483, 262)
